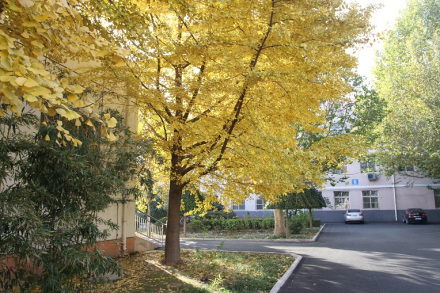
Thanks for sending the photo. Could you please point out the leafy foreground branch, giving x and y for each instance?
(200, 271)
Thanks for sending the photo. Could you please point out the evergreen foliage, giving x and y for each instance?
(50, 210)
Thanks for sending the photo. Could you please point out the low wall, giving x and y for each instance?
(378, 216)
(337, 216)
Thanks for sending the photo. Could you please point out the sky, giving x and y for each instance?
(382, 19)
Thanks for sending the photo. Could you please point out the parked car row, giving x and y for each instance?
(411, 216)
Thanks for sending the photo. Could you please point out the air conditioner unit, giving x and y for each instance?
(372, 176)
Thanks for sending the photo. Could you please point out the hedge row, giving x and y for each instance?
(218, 224)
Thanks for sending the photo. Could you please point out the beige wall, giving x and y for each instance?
(406, 192)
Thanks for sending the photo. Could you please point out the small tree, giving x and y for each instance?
(50, 213)
(310, 198)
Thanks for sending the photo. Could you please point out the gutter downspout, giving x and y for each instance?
(395, 199)
(124, 220)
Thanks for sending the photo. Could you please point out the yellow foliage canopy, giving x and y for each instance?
(223, 85)
(39, 41)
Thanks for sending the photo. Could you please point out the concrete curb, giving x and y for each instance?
(287, 274)
(260, 240)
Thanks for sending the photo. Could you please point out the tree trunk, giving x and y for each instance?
(311, 218)
(172, 241)
(287, 224)
(279, 222)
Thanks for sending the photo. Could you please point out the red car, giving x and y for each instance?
(415, 215)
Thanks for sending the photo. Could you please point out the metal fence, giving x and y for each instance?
(150, 227)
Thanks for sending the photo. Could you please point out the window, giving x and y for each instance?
(367, 167)
(370, 199)
(260, 204)
(239, 206)
(406, 168)
(342, 170)
(437, 198)
(342, 200)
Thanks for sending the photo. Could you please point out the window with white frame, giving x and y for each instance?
(408, 168)
(370, 199)
(367, 167)
(238, 206)
(260, 204)
(437, 198)
(342, 170)
(342, 200)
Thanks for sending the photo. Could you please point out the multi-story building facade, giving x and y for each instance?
(361, 185)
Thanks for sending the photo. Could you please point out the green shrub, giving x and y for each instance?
(256, 223)
(232, 224)
(296, 221)
(218, 224)
(207, 224)
(219, 214)
(196, 225)
(268, 223)
(246, 223)
(295, 227)
(316, 223)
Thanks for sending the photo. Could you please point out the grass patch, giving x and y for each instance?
(200, 271)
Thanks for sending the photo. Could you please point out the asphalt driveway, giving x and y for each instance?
(375, 257)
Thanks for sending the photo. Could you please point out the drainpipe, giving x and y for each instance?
(124, 220)
(395, 200)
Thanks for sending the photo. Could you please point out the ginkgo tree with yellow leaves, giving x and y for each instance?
(226, 89)
(41, 45)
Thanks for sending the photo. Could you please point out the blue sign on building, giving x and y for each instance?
(354, 181)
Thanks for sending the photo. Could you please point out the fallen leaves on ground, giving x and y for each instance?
(200, 271)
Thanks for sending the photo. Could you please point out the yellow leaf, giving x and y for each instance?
(107, 116)
(37, 44)
(60, 123)
(112, 122)
(30, 83)
(89, 123)
(71, 115)
(30, 98)
(7, 78)
(71, 98)
(77, 122)
(61, 111)
(78, 89)
(20, 80)
(101, 53)
(47, 137)
(51, 112)
(41, 91)
(79, 103)
(111, 137)
(26, 3)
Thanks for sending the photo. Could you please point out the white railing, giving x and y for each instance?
(150, 227)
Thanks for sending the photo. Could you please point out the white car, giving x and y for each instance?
(354, 215)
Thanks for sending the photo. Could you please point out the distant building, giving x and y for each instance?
(361, 185)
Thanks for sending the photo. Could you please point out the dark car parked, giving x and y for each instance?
(415, 215)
